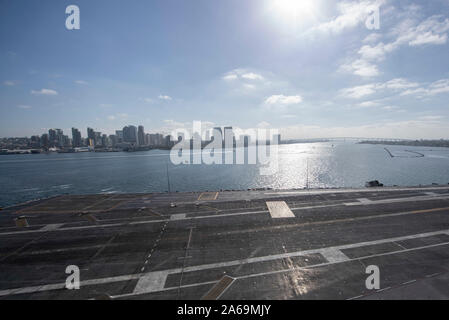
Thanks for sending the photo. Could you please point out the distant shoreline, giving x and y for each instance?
(415, 143)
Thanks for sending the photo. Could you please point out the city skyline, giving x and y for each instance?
(312, 69)
(133, 138)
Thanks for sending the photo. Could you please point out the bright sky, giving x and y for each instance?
(308, 67)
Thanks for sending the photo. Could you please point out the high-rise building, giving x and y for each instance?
(130, 134)
(141, 136)
(91, 137)
(119, 134)
(56, 138)
(168, 142)
(76, 138)
(60, 141)
(98, 139)
(104, 140)
(51, 138)
(35, 141)
(113, 140)
(44, 140)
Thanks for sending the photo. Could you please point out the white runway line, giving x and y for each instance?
(155, 281)
(363, 202)
(333, 255)
(383, 189)
(51, 227)
(179, 216)
(151, 282)
(279, 209)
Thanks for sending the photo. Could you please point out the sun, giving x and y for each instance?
(294, 7)
(297, 12)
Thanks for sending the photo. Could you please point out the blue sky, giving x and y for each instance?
(310, 68)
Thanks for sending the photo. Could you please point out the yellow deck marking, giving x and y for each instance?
(219, 288)
(208, 196)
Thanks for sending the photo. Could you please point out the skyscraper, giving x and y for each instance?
(130, 134)
(141, 136)
(119, 134)
(91, 137)
(51, 138)
(76, 138)
(44, 140)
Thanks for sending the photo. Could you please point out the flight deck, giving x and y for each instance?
(230, 245)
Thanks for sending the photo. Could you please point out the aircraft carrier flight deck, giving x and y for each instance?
(230, 245)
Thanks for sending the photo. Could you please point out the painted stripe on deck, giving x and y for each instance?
(151, 282)
(395, 200)
(180, 216)
(219, 288)
(51, 227)
(279, 209)
(208, 196)
(334, 255)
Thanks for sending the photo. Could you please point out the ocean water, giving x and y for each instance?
(316, 165)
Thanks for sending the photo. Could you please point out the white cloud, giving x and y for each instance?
(147, 100)
(229, 77)
(166, 98)
(390, 108)
(252, 76)
(81, 82)
(400, 83)
(47, 92)
(437, 87)
(361, 68)
(10, 83)
(283, 100)
(242, 74)
(397, 84)
(369, 104)
(24, 106)
(121, 116)
(358, 91)
(373, 37)
(432, 31)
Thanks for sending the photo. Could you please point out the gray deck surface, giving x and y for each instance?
(138, 246)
